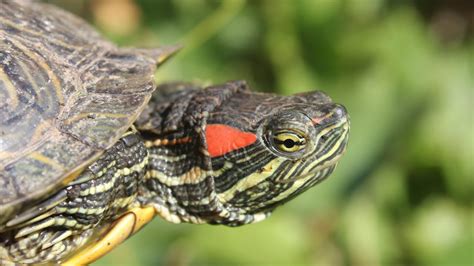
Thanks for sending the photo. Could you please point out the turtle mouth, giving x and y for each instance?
(313, 172)
(296, 178)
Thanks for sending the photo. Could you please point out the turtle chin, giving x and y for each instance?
(231, 216)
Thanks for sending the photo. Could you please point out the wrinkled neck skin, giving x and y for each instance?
(207, 161)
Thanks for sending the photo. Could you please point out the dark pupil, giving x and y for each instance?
(289, 143)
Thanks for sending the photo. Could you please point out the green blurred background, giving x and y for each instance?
(402, 195)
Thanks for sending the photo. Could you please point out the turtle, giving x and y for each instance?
(92, 148)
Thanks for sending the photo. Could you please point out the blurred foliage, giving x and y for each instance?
(402, 195)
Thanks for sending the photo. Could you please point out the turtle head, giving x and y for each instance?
(267, 149)
(230, 155)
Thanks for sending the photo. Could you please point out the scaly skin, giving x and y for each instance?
(220, 155)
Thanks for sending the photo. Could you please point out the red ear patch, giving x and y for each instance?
(222, 139)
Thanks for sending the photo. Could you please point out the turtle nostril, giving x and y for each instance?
(331, 113)
(339, 111)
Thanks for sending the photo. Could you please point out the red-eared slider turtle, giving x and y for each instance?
(91, 149)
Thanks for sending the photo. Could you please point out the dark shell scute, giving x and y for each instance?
(66, 95)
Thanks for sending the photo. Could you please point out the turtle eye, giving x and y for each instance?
(289, 141)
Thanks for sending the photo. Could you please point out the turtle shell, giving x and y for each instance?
(66, 95)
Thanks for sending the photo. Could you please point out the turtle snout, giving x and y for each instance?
(339, 112)
(332, 113)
